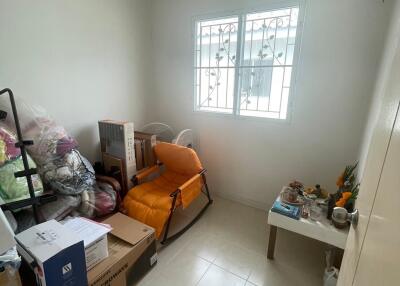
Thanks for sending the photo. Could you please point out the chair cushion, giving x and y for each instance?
(178, 159)
(151, 203)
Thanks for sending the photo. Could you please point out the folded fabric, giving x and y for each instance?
(286, 210)
(12, 188)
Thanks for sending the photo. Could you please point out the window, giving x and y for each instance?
(244, 63)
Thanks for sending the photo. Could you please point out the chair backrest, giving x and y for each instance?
(178, 159)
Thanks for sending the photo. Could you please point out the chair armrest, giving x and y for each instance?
(115, 185)
(146, 172)
(188, 183)
(109, 180)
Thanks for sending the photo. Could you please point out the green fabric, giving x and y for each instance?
(11, 188)
(3, 156)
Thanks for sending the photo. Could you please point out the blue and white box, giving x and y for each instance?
(56, 254)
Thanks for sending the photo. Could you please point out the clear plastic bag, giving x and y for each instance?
(331, 276)
(71, 174)
(8, 151)
(59, 163)
(12, 188)
(331, 273)
(99, 202)
(10, 263)
(59, 209)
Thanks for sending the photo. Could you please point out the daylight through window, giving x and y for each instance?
(244, 64)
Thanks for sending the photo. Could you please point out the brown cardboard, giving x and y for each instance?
(117, 139)
(113, 164)
(145, 145)
(132, 252)
(10, 279)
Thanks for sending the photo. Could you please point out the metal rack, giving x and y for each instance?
(27, 172)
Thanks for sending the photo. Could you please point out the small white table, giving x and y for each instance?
(321, 230)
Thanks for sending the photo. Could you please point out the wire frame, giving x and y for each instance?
(255, 73)
(216, 52)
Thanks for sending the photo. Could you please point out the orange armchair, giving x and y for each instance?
(182, 181)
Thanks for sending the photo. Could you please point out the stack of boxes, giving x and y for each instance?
(119, 251)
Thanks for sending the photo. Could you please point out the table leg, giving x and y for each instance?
(271, 242)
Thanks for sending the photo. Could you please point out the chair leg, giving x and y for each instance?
(169, 219)
(207, 190)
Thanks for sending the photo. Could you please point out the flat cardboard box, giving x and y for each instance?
(132, 252)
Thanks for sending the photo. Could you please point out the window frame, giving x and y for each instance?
(241, 15)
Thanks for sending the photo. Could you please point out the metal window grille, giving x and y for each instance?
(244, 64)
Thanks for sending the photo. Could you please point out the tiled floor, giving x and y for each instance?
(227, 246)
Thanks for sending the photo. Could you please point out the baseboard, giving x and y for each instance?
(244, 201)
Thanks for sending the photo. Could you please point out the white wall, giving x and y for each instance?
(81, 60)
(392, 43)
(250, 160)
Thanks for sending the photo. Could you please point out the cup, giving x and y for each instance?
(315, 212)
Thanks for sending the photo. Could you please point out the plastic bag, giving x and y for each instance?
(99, 202)
(12, 188)
(9, 265)
(331, 276)
(51, 141)
(60, 165)
(59, 209)
(8, 151)
(331, 273)
(11, 258)
(71, 174)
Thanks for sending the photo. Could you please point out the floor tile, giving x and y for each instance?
(186, 268)
(229, 244)
(237, 259)
(216, 276)
(205, 245)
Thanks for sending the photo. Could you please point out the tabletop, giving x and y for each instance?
(321, 229)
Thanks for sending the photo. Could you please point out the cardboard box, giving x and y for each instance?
(94, 236)
(144, 144)
(56, 255)
(96, 252)
(117, 139)
(115, 168)
(132, 252)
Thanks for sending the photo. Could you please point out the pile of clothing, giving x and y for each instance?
(61, 169)
(11, 188)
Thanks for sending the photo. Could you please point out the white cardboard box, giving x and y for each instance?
(117, 139)
(96, 252)
(56, 255)
(94, 236)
